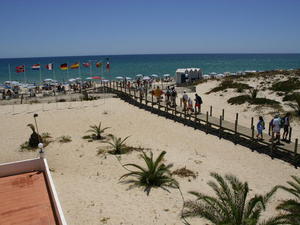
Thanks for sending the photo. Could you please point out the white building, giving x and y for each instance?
(188, 75)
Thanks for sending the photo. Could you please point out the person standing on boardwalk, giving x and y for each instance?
(260, 127)
(173, 96)
(198, 102)
(185, 99)
(286, 126)
(276, 125)
(190, 105)
(157, 93)
(168, 96)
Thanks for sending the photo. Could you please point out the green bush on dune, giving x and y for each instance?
(286, 86)
(240, 87)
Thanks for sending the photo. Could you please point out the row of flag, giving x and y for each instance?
(64, 66)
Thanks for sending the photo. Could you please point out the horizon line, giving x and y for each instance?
(108, 55)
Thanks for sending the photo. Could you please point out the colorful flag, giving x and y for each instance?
(64, 66)
(49, 66)
(75, 66)
(107, 65)
(20, 69)
(36, 67)
(98, 64)
(86, 64)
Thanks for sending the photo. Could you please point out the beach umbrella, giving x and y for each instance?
(72, 80)
(78, 78)
(206, 76)
(213, 73)
(89, 78)
(154, 75)
(105, 80)
(128, 78)
(166, 75)
(139, 75)
(96, 78)
(146, 78)
(119, 78)
(48, 80)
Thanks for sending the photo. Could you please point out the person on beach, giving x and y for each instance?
(286, 126)
(157, 93)
(168, 96)
(185, 99)
(190, 105)
(198, 102)
(260, 127)
(173, 96)
(276, 125)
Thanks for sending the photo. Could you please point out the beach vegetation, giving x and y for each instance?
(155, 174)
(97, 131)
(296, 105)
(64, 139)
(35, 138)
(290, 207)
(289, 97)
(61, 100)
(286, 86)
(229, 83)
(241, 99)
(184, 172)
(117, 145)
(231, 205)
(46, 139)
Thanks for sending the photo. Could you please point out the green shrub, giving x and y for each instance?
(240, 87)
(289, 97)
(286, 86)
(239, 100)
(64, 139)
(156, 174)
(263, 101)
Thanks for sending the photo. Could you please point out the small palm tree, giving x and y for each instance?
(156, 174)
(118, 145)
(291, 207)
(97, 131)
(35, 138)
(230, 206)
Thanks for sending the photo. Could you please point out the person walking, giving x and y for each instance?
(185, 99)
(276, 125)
(198, 102)
(173, 96)
(286, 126)
(260, 127)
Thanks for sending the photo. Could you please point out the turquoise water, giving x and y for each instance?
(130, 65)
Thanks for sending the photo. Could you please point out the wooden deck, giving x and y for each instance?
(25, 200)
(208, 122)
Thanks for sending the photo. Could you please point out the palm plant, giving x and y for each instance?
(118, 145)
(97, 131)
(156, 174)
(231, 205)
(35, 138)
(291, 207)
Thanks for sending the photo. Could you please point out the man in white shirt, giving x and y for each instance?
(276, 127)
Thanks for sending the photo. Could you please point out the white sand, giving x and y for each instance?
(88, 185)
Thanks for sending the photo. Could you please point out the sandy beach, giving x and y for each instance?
(88, 185)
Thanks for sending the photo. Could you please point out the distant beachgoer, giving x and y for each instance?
(168, 96)
(276, 125)
(286, 126)
(173, 96)
(260, 127)
(185, 98)
(198, 102)
(190, 105)
(157, 93)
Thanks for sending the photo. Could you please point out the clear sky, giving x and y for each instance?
(33, 28)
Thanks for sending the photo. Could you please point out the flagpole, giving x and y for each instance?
(9, 73)
(40, 73)
(24, 73)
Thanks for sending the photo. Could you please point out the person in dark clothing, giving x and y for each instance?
(286, 126)
(198, 102)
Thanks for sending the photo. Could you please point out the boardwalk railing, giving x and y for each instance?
(208, 123)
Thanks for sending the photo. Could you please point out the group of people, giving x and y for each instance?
(276, 124)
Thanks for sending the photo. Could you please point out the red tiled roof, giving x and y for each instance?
(24, 200)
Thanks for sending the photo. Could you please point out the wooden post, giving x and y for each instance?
(152, 99)
(134, 93)
(252, 128)
(295, 152)
(272, 144)
(175, 110)
(220, 130)
(235, 131)
(223, 114)
(237, 117)
(141, 96)
(210, 111)
(158, 103)
(290, 134)
(207, 122)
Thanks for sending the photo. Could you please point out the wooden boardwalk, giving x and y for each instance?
(210, 124)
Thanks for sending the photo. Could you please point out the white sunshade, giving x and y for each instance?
(146, 78)
(154, 75)
(128, 78)
(105, 80)
(88, 78)
(72, 80)
(166, 75)
(119, 77)
(139, 75)
(78, 78)
(47, 80)
(213, 73)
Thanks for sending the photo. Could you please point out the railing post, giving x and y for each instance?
(220, 130)
(210, 111)
(252, 128)
(110, 84)
(290, 134)
(272, 144)
(207, 122)
(134, 93)
(223, 114)
(295, 152)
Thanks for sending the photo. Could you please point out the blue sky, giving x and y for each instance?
(33, 28)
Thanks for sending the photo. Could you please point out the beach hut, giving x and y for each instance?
(188, 75)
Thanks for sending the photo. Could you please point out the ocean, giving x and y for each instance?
(131, 65)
